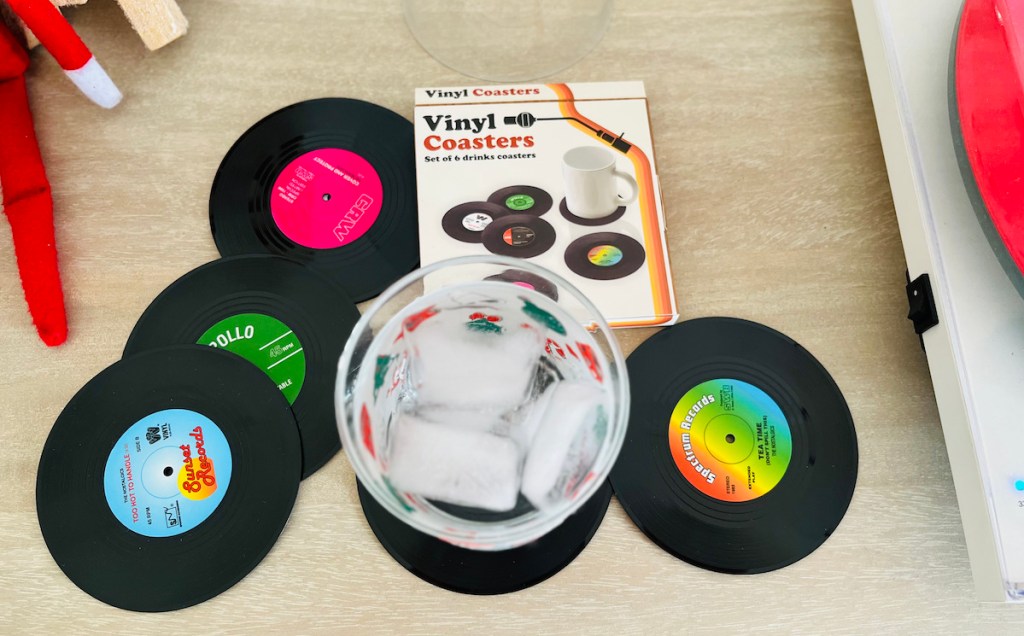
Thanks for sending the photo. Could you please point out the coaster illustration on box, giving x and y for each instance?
(529, 281)
(604, 256)
(522, 198)
(492, 162)
(466, 222)
(521, 235)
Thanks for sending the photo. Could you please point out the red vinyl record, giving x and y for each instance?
(987, 107)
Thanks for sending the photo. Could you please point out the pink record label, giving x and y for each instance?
(326, 198)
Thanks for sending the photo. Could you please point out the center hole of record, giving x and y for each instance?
(604, 255)
(168, 471)
(518, 236)
(327, 196)
(476, 221)
(729, 438)
(519, 202)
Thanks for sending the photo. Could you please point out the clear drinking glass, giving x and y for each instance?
(377, 383)
(505, 41)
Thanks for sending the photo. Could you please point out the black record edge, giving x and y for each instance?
(240, 216)
(538, 283)
(315, 308)
(770, 532)
(577, 256)
(153, 574)
(544, 236)
(479, 572)
(563, 207)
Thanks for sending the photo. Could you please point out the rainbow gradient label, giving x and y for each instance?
(604, 255)
(730, 440)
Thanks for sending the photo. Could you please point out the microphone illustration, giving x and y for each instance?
(522, 119)
(526, 120)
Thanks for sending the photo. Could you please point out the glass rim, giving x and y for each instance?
(594, 39)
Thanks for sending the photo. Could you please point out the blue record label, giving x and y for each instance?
(167, 473)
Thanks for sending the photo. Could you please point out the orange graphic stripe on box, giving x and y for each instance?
(660, 284)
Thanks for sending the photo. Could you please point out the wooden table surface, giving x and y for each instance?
(778, 211)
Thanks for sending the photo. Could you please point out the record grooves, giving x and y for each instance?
(284, 318)
(167, 478)
(328, 182)
(741, 455)
(481, 572)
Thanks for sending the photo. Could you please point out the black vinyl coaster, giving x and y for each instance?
(605, 256)
(579, 220)
(522, 199)
(528, 280)
(328, 182)
(519, 235)
(478, 572)
(283, 317)
(741, 455)
(167, 478)
(466, 221)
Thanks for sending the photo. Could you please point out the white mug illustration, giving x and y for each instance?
(591, 191)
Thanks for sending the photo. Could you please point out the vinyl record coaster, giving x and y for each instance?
(466, 222)
(478, 572)
(741, 455)
(167, 478)
(567, 214)
(528, 280)
(522, 199)
(284, 318)
(328, 182)
(520, 235)
(604, 256)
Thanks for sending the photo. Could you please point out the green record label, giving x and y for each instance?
(519, 202)
(266, 342)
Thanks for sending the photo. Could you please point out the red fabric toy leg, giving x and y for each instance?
(26, 197)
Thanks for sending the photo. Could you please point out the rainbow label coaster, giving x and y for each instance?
(604, 255)
(730, 440)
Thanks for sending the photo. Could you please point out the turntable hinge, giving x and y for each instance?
(922, 304)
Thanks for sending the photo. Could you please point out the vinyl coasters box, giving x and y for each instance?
(561, 174)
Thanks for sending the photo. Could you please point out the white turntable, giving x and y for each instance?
(976, 349)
